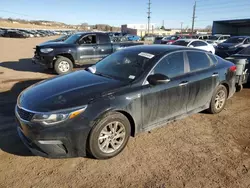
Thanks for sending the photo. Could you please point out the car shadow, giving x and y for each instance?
(26, 65)
(9, 139)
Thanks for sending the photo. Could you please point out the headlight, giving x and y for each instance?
(46, 50)
(169, 42)
(54, 118)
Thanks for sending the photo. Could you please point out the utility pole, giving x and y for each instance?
(163, 24)
(181, 27)
(193, 18)
(149, 13)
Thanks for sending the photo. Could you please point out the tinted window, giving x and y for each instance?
(247, 41)
(198, 60)
(198, 43)
(104, 39)
(171, 66)
(205, 37)
(180, 43)
(212, 58)
(89, 39)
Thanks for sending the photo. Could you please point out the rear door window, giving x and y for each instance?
(198, 60)
(171, 65)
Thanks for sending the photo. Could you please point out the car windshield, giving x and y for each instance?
(235, 40)
(213, 37)
(181, 43)
(124, 65)
(73, 38)
(170, 38)
(245, 51)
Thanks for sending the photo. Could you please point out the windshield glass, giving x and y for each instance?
(180, 43)
(171, 38)
(213, 37)
(235, 40)
(73, 38)
(124, 65)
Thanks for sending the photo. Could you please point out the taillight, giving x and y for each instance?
(233, 68)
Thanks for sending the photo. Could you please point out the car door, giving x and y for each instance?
(165, 101)
(87, 49)
(104, 46)
(203, 79)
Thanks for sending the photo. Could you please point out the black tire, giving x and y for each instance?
(93, 142)
(239, 88)
(57, 64)
(212, 109)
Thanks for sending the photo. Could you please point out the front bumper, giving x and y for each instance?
(44, 61)
(60, 141)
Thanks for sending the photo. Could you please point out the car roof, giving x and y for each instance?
(240, 37)
(158, 49)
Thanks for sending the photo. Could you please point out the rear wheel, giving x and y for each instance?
(218, 101)
(109, 136)
(63, 65)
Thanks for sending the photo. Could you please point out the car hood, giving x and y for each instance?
(226, 45)
(55, 45)
(68, 91)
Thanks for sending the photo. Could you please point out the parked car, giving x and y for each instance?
(133, 38)
(80, 48)
(15, 34)
(245, 53)
(217, 39)
(203, 37)
(232, 46)
(194, 43)
(170, 39)
(2, 32)
(130, 91)
(158, 39)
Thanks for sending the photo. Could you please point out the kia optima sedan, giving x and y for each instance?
(93, 112)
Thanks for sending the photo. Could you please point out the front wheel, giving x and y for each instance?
(63, 65)
(218, 101)
(109, 136)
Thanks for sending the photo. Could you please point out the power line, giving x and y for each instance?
(15, 13)
(207, 3)
(222, 6)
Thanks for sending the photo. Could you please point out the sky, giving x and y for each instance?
(118, 12)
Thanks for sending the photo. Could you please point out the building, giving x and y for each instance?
(142, 29)
(232, 27)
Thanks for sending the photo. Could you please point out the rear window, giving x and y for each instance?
(212, 58)
(198, 60)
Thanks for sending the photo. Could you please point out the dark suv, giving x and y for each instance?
(137, 89)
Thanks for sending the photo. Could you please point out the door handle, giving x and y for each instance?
(215, 74)
(95, 47)
(183, 83)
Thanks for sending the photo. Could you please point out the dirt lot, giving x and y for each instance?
(199, 151)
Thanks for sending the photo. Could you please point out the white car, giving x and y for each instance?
(195, 43)
(217, 39)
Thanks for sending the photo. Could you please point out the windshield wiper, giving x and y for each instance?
(103, 75)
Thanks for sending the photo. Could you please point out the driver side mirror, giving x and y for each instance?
(156, 79)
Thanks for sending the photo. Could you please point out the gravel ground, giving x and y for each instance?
(202, 150)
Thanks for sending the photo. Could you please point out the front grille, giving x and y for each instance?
(25, 115)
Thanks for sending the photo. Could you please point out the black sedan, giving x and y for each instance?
(95, 111)
(232, 46)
